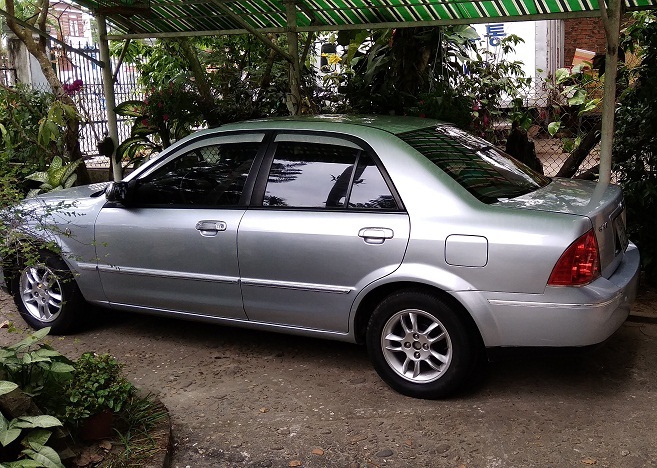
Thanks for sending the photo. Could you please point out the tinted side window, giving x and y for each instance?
(369, 190)
(212, 175)
(310, 175)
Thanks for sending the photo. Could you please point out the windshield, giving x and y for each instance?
(482, 169)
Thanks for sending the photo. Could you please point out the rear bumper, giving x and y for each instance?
(561, 316)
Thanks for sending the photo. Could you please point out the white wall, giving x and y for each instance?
(541, 52)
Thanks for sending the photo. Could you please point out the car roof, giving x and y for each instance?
(388, 123)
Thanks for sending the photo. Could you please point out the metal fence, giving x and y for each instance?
(554, 150)
(542, 105)
(90, 97)
(7, 72)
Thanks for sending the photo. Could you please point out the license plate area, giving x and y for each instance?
(620, 235)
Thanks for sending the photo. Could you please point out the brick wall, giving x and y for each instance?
(584, 33)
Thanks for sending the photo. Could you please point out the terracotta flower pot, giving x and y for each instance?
(98, 426)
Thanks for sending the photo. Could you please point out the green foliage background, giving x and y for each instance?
(635, 141)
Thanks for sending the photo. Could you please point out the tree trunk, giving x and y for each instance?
(592, 138)
(208, 107)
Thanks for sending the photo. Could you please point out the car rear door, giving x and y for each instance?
(325, 222)
(174, 248)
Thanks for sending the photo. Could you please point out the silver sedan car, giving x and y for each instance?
(428, 245)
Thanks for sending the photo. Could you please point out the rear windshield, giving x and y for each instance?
(482, 169)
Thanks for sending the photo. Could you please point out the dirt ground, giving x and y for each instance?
(245, 398)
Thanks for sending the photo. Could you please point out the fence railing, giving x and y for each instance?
(91, 97)
(8, 76)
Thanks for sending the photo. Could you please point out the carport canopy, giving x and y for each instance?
(172, 18)
(132, 19)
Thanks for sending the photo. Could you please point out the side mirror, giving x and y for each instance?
(119, 192)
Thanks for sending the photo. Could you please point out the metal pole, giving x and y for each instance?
(611, 20)
(294, 98)
(110, 100)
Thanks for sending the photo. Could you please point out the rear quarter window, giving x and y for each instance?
(482, 169)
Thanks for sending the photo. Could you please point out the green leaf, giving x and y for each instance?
(554, 127)
(56, 115)
(46, 456)
(561, 75)
(55, 177)
(61, 367)
(130, 144)
(578, 98)
(7, 387)
(70, 181)
(7, 436)
(29, 358)
(589, 106)
(131, 108)
(25, 463)
(70, 168)
(31, 339)
(56, 164)
(38, 177)
(45, 352)
(37, 438)
(142, 129)
(29, 422)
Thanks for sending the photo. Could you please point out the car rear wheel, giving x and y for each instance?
(47, 295)
(420, 346)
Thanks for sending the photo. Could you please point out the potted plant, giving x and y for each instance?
(97, 391)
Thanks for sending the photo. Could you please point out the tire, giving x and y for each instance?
(47, 295)
(419, 345)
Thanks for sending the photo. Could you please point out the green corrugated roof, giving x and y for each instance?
(194, 17)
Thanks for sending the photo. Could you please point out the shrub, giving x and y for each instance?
(635, 145)
(97, 385)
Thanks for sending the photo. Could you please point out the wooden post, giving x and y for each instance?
(611, 15)
(110, 100)
(294, 98)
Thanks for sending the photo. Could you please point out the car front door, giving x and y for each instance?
(325, 225)
(174, 247)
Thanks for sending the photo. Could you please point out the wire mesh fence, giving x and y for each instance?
(544, 104)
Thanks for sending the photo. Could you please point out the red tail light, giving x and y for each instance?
(579, 264)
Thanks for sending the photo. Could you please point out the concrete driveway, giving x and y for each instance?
(244, 398)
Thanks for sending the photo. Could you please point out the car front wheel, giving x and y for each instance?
(47, 295)
(420, 346)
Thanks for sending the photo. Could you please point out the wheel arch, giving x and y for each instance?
(37, 244)
(373, 297)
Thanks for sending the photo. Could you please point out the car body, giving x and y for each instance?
(407, 234)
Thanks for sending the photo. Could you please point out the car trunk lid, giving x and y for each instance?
(604, 206)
